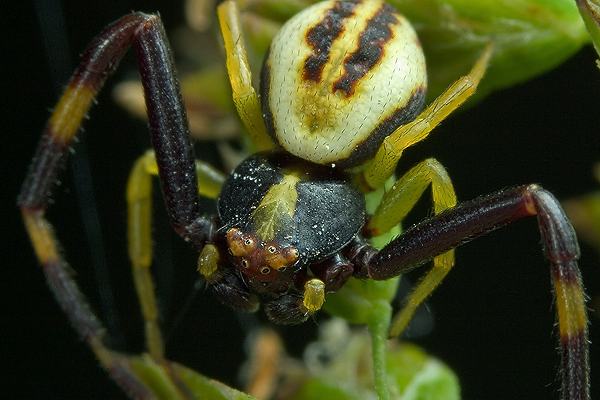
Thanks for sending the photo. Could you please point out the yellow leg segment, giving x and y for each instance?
(244, 96)
(210, 179)
(384, 163)
(139, 200)
(394, 207)
(139, 229)
(70, 111)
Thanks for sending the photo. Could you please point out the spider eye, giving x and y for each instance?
(272, 249)
(265, 270)
(244, 263)
(248, 242)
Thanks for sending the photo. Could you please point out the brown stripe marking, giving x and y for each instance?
(367, 148)
(321, 36)
(370, 49)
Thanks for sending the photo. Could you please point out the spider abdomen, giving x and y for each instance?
(339, 77)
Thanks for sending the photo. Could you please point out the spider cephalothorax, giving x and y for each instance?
(281, 215)
(342, 87)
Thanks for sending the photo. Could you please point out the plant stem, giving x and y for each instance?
(379, 324)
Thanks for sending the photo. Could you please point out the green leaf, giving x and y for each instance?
(419, 376)
(205, 388)
(339, 367)
(356, 301)
(160, 379)
(590, 12)
(529, 37)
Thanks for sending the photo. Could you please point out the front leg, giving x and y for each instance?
(170, 134)
(167, 121)
(478, 217)
(168, 125)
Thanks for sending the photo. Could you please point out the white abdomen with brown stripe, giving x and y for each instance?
(339, 77)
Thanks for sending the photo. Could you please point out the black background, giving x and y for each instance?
(493, 316)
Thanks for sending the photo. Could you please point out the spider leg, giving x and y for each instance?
(139, 224)
(244, 96)
(76, 307)
(395, 205)
(210, 179)
(227, 285)
(168, 127)
(167, 121)
(475, 218)
(293, 308)
(382, 166)
(139, 239)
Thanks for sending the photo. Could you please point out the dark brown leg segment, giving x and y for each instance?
(168, 125)
(475, 218)
(170, 134)
(168, 121)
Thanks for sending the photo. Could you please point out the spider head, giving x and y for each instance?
(267, 267)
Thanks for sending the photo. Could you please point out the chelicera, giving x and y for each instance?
(342, 92)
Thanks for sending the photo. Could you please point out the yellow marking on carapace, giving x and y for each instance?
(70, 111)
(276, 208)
(42, 236)
(570, 303)
(314, 295)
